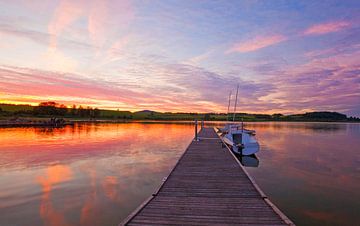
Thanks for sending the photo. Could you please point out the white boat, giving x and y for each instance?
(241, 126)
(241, 141)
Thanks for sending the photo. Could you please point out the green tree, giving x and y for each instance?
(277, 116)
(46, 108)
(73, 111)
(96, 112)
(81, 111)
(207, 117)
(62, 110)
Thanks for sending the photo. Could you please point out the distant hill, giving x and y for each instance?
(145, 111)
(317, 116)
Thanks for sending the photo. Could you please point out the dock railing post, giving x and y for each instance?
(196, 133)
(202, 123)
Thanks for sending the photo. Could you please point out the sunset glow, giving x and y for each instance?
(182, 56)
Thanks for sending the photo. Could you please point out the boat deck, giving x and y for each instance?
(208, 186)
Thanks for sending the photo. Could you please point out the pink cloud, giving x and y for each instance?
(165, 93)
(256, 43)
(329, 83)
(105, 18)
(41, 85)
(65, 14)
(33, 86)
(325, 28)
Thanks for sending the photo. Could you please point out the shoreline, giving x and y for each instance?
(44, 122)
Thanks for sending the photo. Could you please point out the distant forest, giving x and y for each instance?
(53, 109)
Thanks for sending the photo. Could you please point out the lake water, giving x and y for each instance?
(96, 174)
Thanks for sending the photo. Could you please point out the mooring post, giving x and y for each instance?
(196, 134)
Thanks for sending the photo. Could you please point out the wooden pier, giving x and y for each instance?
(208, 186)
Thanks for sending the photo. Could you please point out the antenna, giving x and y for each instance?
(237, 90)
(228, 111)
(242, 124)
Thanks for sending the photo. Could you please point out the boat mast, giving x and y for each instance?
(237, 90)
(228, 111)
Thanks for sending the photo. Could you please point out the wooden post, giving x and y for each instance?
(196, 133)
(202, 123)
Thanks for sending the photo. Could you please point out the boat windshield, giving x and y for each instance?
(237, 138)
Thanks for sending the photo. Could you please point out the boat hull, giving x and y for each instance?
(249, 149)
(241, 142)
(249, 160)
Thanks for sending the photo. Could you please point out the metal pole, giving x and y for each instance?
(228, 111)
(196, 134)
(237, 90)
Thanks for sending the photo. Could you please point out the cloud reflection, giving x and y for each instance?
(110, 185)
(54, 175)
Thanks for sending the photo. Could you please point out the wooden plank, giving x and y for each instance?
(208, 186)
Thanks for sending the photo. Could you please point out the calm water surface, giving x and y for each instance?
(96, 174)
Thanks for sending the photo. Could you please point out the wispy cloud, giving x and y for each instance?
(107, 17)
(330, 83)
(104, 19)
(42, 85)
(167, 92)
(65, 14)
(196, 60)
(256, 43)
(329, 27)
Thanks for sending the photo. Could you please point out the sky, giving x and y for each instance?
(182, 56)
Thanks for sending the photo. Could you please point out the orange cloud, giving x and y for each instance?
(256, 43)
(325, 28)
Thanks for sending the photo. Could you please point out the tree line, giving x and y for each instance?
(51, 108)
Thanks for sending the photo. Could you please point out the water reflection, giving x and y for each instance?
(311, 170)
(54, 175)
(296, 126)
(248, 160)
(88, 174)
(96, 174)
(91, 208)
(71, 143)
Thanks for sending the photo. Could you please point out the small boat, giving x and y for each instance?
(227, 128)
(242, 141)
